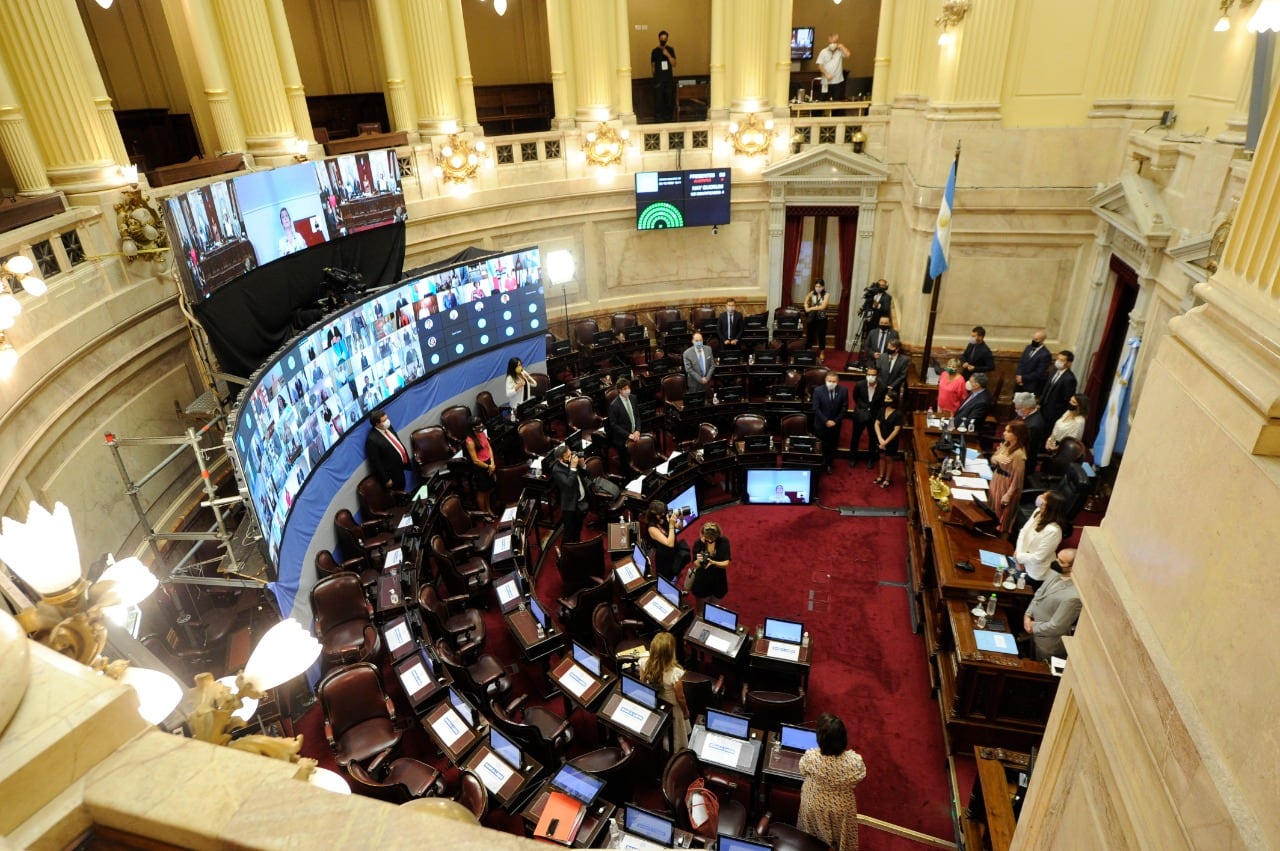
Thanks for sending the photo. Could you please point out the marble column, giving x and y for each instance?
(18, 144)
(909, 85)
(1238, 121)
(214, 76)
(93, 76)
(880, 65)
(782, 62)
(593, 42)
(622, 27)
(558, 39)
(41, 42)
(395, 67)
(435, 79)
(294, 92)
(1119, 58)
(462, 63)
(251, 57)
(1164, 48)
(750, 59)
(971, 70)
(718, 102)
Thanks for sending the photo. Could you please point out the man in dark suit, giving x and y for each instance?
(868, 399)
(570, 476)
(975, 405)
(730, 323)
(1033, 366)
(893, 366)
(977, 355)
(882, 302)
(699, 366)
(624, 424)
(1055, 398)
(830, 404)
(1028, 410)
(879, 339)
(386, 455)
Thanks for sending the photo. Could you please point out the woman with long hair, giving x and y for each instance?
(670, 554)
(828, 808)
(663, 673)
(1008, 465)
(888, 427)
(519, 384)
(951, 390)
(815, 315)
(1070, 424)
(480, 454)
(1039, 539)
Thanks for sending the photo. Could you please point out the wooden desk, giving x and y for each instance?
(760, 659)
(630, 579)
(829, 107)
(450, 732)
(719, 642)
(780, 765)
(623, 716)
(422, 677)
(993, 786)
(659, 609)
(595, 823)
(748, 757)
(506, 786)
(577, 684)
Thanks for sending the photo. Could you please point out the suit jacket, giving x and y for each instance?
(883, 305)
(736, 319)
(1037, 431)
(979, 354)
(691, 371)
(974, 407)
(1054, 611)
(867, 404)
(567, 481)
(878, 341)
(384, 459)
(619, 424)
(895, 377)
(1033, 366)
(829, 406)
(1056, 395)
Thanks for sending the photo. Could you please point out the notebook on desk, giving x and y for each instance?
(995, 642)
(643, 830)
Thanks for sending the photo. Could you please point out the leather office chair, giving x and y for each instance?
(463, 570)
(534, 438)
(581, 413)
(449, 618)
(378, 501)
(576, 609)
(541, 383)
(795, 423)
(769, 709)
(580, 563)
(701, 692)
(482, 679)
(785, 837)
(745, 425)
(360, 539)
(613, 765)
(673, 389)
(681, 770)
(405, 779)
(359, 718)
(707, 432)
(431, 450)
(344, 620)
(486, 408)
(606, 508)
(584, 331)
(462, 526)
(540, 732)
(456, 420)
(509, 483)
(663, 317)
(644, 453)
(619, 322)
(615, 636)
(813, 377)
(472, 794)
(327, 565)
(699, 315)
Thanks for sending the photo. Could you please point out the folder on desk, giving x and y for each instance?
(995, 642)
(561, 818)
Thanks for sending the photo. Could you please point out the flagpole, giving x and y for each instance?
(933, 285)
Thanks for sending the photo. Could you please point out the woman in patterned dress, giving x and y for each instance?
(1008, 464)
(828, 809)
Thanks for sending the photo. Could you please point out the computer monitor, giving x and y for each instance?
(779, 486)
(733, 843)
(695, 398)
(733, 393)
(766, 358)
(757, 443)
(577, 784)
(711, 613)
(669, 591)
(797, 738)
(559, 347)
(687, 498)
(635, 332)
(677, 326)
(715, 449)
(635, 690)
(638, 556)
(783, 393)
(807, 358)
(538, 614)
(602, 338)
(730, 359)
(726, 723)
(678, 463)
(650, 826)
(791, 632)
(505, 748)
(462, 707)
(585, 658)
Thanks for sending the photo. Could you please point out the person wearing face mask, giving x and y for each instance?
(729, 324)
(893, 366)
(519, 385)
(624, 421)
(830, 404)
(815, 317)
(975, 404)
(1041, 535)
(868, 398)
(387, 457)
(888, 427)
(699, 366)
(977, 355)
(1054, 609)
(1028, 410)
(951, 389)
(1033, 366)
(1061, 386)
(663, 61)
(1070, 424)
(878, 340)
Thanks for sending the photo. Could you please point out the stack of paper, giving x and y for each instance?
(969, 482)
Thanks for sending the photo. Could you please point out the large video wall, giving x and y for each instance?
(302, 402)
(230, 227)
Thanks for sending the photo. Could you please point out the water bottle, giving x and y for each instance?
(1022, 580)
(929, 413)
(973, 425)
(999, 577)
(804, 639)
(991, 605)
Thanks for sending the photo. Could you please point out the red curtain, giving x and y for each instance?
(848, 238)
(792, 237)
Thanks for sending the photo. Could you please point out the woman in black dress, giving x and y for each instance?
(711, 565)
(888, 428)
(670, 554)
(815, 313)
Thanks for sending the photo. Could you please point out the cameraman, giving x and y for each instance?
(662, 525)
(710, 571)
(568, 471)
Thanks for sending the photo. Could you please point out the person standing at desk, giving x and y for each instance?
(888, 428)
(623, 423)
(385, 453)
(868, 397)
(830, 404)
(1054, 609)
(729, 324)
(664, 674)
(663, 60)
(569, 474)
(831, 64)
(828, 808)
(480, 454)
(519, 385)
(977, 355)
(815, 318)
(711, 558)
(1008, 466)
(699, 366)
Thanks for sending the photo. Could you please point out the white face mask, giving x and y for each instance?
(871, 379)
(831, 388)
(973, 339)
(1062, 364)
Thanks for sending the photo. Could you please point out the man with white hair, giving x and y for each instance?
(1028, 410)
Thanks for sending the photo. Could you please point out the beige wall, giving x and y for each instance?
(135, 55)
(856, 22)
(335, 44)
(509, 49)
(689, 24)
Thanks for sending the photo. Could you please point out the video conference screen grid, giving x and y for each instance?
(230, 227)
(304, 400)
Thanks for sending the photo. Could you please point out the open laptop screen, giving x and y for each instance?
(464, 709)
(723, 618)
(646, 824)
(733, 843)
(639, 692)
(730, 725)
(585, 658)
(780, 630)
(505, 748)
(666, 589)
(577, 783)
(539, 615)
(798, 738)
(637, 556)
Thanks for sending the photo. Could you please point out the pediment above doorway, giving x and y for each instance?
(1135, 206)
(827, 164)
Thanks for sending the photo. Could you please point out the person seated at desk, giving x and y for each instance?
(664, 674)
(1040, 537)
(828, 808)
(670, 554)
(708, 579)
(1054, 610)
(975, 405)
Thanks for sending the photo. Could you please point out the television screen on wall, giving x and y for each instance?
(801, 43)
(680, 199)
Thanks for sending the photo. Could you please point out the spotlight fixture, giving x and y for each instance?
(752, 137)
(606, 145)
(459, 159)
(953, 12)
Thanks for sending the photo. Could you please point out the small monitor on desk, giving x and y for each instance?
(784, 393)
(728, 724)
(757, 320)
(791, 632)
(590, 385)
(695, 398)
(602, 338)
(669, 591)
(796, 738)
(757, 443)
(556, 396)
(577, 784)
(539, 615)
(585, 658)
(715, 449)
(633, 689)
(461, 706)
(733, 843)
(721, 617)
(766, 358)
(635, 332)
(650, 826)
(507, 749)
(733, 393)
(677, 326)
(805, 358)
(708, 325)
(638, 556)
(730, 358)
(559, 347)
(678, 462)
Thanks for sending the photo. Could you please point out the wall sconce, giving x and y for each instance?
(142, 233)
(17, 274)
(1266, 18)
(1224, 22)
(858, 140)
(752, 137)
(605, 145)
(953, 12)
(459, 160)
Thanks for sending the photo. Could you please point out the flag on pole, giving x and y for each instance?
(1114, 429)
(942, 231)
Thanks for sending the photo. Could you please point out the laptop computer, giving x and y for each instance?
(577, 784)
(721, 617)
(509, 591)
(506, 749)
(587, 659)
(795, 738)
(728, 724)
(638, 692)
(784, 638)
(539, 615)
(669, 591)
(726, 736)
(733, 843)
(643, 830)
(464, 709)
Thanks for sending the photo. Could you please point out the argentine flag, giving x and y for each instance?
(942, 231)
(1114, 429)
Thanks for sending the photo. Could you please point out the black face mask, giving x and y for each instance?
(1055, 567)
(1035, 344)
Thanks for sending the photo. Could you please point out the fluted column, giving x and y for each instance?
(462, 64)
(395, 68)
(56, 95)
(431, 60)
(718, 102)
(1119, 58)
(558, 40)
(1167, 34)
(750, 58)
(97, 88)
(907, 38)
(214, 77)
(1238, 121)
(17, 144)
(880, 65)
(255, 72)
(782, 58)
(622, 27)
(294, 92)
(971, 69)
(593, 42)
